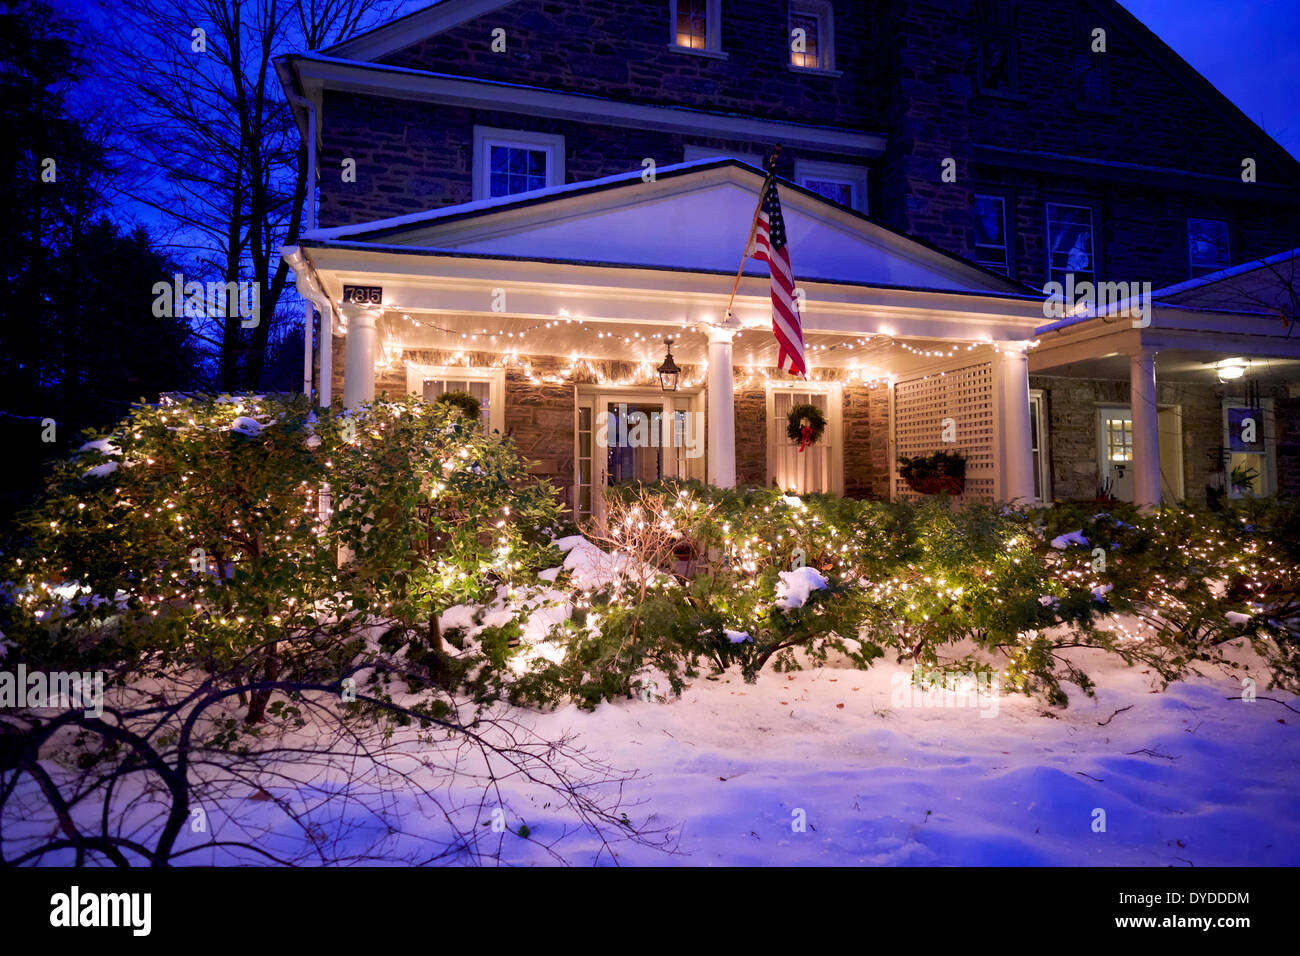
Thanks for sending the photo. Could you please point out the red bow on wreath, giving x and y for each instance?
(805, 432)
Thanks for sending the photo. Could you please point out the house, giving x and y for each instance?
(529, 200)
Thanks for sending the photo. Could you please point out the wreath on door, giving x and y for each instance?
(805, 424)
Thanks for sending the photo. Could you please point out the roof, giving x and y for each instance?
(692, 216)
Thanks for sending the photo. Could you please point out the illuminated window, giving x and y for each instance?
(812, 45)
(695, 25)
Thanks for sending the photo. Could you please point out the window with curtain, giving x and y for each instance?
(799, 472)
(481, 389)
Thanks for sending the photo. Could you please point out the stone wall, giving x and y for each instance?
(866, 442)
(751, 436)
(1072, 432)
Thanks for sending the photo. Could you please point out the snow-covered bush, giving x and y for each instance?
(193, 535)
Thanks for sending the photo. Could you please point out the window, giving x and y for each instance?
(487, 385)
(1091, 66)
(1070, 243)
(1247, 438)
(991, 247)
(812, 35)
(997, 46)
(510, 162)
(695, 25)
(1207, 246)
(1038, 444)
(818, 468)
(839, 182)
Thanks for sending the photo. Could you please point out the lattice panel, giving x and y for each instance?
(964, 395)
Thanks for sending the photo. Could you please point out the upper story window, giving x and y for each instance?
(1207, 246)
(696, 25)
(1070, 243)
(991, 246)
(997, 46)
(509, 162)
(839, 182)
(812, 35)
(1091, 63)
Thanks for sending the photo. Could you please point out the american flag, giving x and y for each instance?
(771, 247)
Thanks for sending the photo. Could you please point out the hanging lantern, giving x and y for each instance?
(669, 372)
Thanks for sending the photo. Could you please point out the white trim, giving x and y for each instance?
(315, 72)
(854, 176)
(824, 11)
(416, 375)
(1268, 433)
(712, 31)
(485, 137)
(1038, 417)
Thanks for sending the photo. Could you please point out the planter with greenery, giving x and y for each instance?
(939, 473)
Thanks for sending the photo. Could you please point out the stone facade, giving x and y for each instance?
(907, 69)
(866, 442)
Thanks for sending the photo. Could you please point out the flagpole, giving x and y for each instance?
(753, 227)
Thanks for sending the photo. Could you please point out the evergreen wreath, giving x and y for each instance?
(469, 405)
(795, 424)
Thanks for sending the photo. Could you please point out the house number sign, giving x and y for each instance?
(364, 294)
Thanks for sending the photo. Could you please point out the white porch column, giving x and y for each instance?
(721, 409)
(667, 437)
(1017, 440)
(359, 356)
(1146, 428)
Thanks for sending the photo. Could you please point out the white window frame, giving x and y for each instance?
(1094, 273)
(1006, 236)
(834, 436)
(416, 375)
(692, 152)
(713, 31)
(1268, 431)
(824, 12)
(856, 176)
(1196, 271)
(1038, 412)
(485, 137)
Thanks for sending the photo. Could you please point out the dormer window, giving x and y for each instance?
(812, 35)
(695, 25)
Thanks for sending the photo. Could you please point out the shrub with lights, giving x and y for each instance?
(191, 536)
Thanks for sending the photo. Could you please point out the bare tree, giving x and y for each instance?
(167, 774)
(216, 149)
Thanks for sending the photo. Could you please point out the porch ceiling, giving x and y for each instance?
(1183, 365)
(870, 356)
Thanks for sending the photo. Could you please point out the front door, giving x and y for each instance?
(1115, 451)
(632, 437)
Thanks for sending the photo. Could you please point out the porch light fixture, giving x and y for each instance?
(669, 372)
(1231, 369)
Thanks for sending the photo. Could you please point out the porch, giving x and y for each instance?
(1195, 400)
(909, 350)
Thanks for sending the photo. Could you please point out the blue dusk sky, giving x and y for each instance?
(1250, 51)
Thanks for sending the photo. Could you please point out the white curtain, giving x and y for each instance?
(796, 471)
(479, 388)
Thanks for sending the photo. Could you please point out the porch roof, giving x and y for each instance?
(1245, 313)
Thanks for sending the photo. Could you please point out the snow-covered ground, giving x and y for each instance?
(1184, 777)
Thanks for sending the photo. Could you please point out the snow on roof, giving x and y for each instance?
(429, 216)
